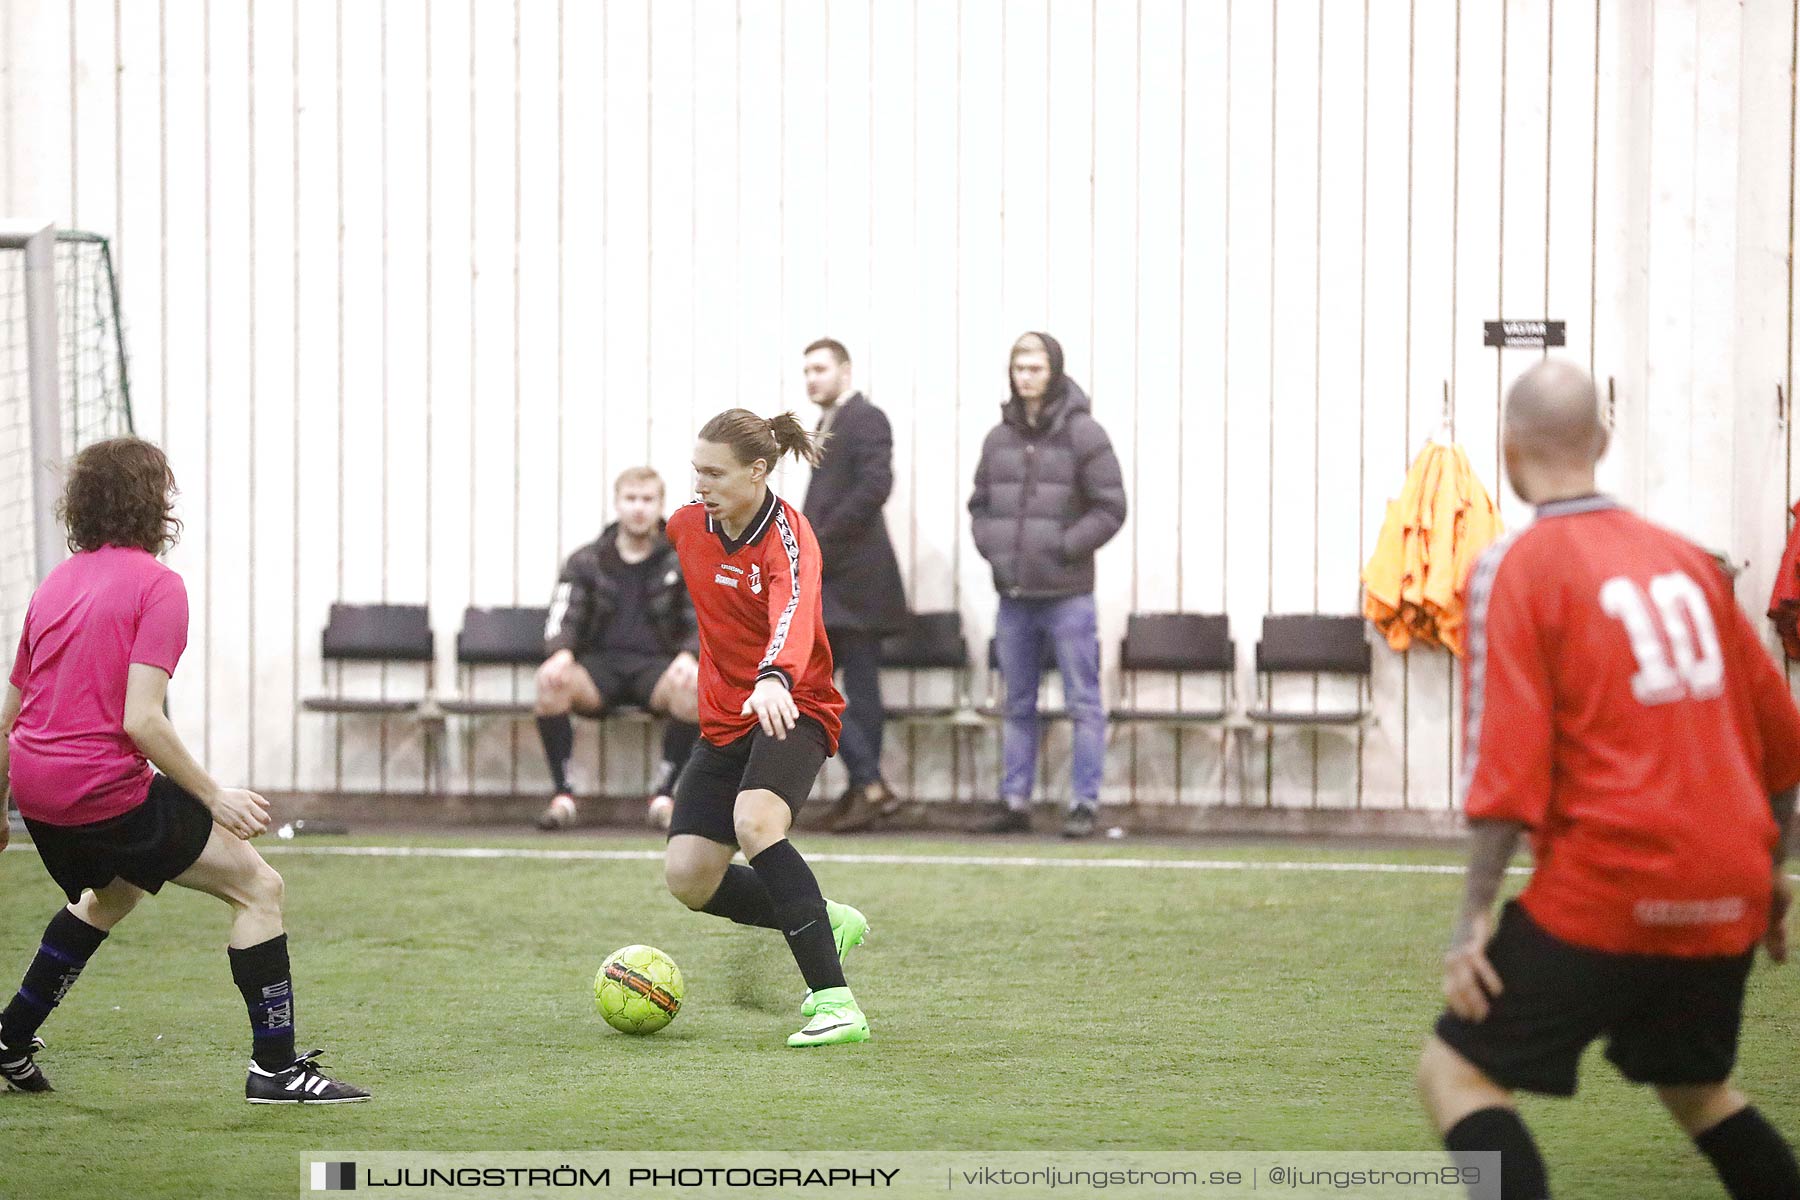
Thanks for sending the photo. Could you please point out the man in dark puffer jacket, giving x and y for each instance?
(1048, 493)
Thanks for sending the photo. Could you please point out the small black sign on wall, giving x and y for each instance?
(1534, 334)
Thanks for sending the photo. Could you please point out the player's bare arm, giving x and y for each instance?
(1775, 941)
(1470, 981)
(236, 810)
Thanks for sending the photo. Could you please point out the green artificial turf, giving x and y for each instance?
(1013, 1007)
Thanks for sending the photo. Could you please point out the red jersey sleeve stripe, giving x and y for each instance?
(791, 545)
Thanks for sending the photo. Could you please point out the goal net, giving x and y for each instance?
(63, 384)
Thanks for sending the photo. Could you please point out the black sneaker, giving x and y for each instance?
(1008, 820)
(302, 1083)
(1080, 823)
(20, 1072)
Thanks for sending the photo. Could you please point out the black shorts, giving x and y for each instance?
(147, 846)
(706, 796)
(1666, 1020)
(623, 679)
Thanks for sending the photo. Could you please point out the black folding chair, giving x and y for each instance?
(1181, 644)
(931, 641)
(378, 633)
(496, 637)
(1312, 644)
(374, 633)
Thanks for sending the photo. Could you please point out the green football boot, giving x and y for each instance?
(848, 928)
(836, 1020)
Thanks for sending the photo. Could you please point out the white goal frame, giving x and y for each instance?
(38, 244)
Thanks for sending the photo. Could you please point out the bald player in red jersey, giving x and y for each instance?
(769, 711)
(1620, 709)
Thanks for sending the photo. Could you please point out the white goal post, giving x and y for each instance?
(41, 456)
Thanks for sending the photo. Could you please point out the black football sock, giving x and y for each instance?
(1521, 1167)
(1752, 1160)
(678, 742)
(261, 974)
(742, 898)
(800, 909)
(558, 734)
(68, 943)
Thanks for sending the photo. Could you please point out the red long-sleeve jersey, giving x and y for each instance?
(758, 606)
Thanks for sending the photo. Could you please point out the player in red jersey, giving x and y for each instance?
(1619, 708)
(769, 712)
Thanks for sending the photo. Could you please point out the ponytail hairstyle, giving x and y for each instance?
(752, 437)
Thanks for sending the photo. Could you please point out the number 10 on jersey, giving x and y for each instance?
(1672, 636)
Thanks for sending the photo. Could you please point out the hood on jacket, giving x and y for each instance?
(1062, 396)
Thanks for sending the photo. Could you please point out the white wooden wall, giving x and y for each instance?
(408, 283)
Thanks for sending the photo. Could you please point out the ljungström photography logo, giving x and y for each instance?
(334, 1177)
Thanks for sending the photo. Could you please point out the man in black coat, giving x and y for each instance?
(1048, 493)
(864, 598)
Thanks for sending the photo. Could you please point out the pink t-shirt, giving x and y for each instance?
(97, 613)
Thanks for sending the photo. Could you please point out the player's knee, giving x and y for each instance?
(1452, 1087)
(1699, 1107)
(684, 704)
(553, 700)
(1428, 1071)
(265, 891)
(1442, 1073)
(757, 826)
(691, 886)
(106, 907)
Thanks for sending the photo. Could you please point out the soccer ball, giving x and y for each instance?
(638, 989)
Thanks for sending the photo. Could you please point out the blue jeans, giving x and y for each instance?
(1069, 626)
(858, 656)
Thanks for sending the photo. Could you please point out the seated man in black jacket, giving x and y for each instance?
(621, 631)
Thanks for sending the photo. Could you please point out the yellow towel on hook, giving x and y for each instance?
(1430, 538)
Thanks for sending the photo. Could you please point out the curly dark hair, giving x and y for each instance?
(120, 492)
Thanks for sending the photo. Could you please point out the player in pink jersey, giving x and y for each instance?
(83, 723)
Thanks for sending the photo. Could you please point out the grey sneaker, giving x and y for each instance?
(1080, 823)
(1007, 820)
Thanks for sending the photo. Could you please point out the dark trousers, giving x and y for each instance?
(858, 656)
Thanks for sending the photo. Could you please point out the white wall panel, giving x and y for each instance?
(1431, 337)
(1387, 448)
(406, 285)
(1759, 524)
(268, 586)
